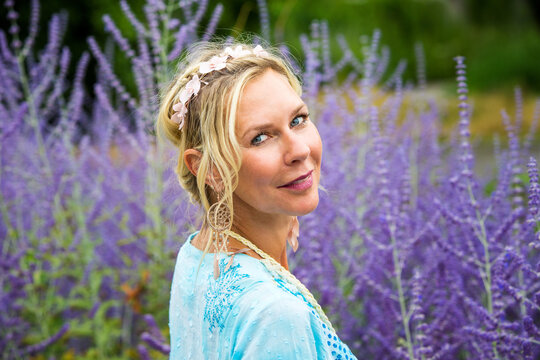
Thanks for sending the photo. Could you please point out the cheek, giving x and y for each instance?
(257, 167)
(315, 145)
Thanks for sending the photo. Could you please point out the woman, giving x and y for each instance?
(250, 155)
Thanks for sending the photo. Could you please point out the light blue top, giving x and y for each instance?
(246, 313)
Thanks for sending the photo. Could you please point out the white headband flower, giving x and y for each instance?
(259, 51)
(194, 85)
(236, 52)
(215, 63)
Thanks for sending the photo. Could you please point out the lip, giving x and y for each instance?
(300, 183)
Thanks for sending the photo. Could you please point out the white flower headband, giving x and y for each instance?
(194, 85)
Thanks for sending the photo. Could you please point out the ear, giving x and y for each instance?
(192, 159)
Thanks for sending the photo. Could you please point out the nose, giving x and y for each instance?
(296, 148)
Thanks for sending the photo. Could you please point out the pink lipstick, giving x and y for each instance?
(303, 182)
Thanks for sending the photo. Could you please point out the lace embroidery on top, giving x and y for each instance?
(282, 284)
(338, 350)
(221, 294)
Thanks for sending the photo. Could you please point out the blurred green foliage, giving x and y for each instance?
(500, 38)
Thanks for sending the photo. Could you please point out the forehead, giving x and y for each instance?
(269, 95)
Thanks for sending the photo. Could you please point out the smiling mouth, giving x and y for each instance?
(301, 183)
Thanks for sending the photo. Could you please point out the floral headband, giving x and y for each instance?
(194, 85)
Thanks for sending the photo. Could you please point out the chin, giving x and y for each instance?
(306, 207)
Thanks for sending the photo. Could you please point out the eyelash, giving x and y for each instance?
(304, 116)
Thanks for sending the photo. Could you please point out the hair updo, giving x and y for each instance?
(211, 118)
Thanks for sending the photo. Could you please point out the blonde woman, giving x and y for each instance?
(251, 157)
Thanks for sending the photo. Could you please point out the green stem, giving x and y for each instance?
(33, 120)
(11, 232)
(127, 331)
(522, 293)
(486, 278)
(153, 198)
(162, 74)
(402, 304)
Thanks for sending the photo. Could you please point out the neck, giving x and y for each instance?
(268, 233)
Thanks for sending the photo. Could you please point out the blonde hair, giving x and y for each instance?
(210, 128)
(211, 119)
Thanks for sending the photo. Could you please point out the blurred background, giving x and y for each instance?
(94, 216)
(499, 38)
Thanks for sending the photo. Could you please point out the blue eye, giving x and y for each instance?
(259, 139)
(299, 120)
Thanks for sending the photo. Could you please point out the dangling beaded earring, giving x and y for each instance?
(294, 231)
(219, 219)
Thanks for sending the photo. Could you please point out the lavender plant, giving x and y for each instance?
(419, 262)
(409, 252)
(79, 221)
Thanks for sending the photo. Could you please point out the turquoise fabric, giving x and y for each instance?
(244, 314)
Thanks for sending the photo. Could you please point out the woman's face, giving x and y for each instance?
(281, 150)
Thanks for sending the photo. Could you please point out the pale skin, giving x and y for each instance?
(279, 145)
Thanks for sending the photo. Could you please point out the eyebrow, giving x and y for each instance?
(267, 125)
(297, 109)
